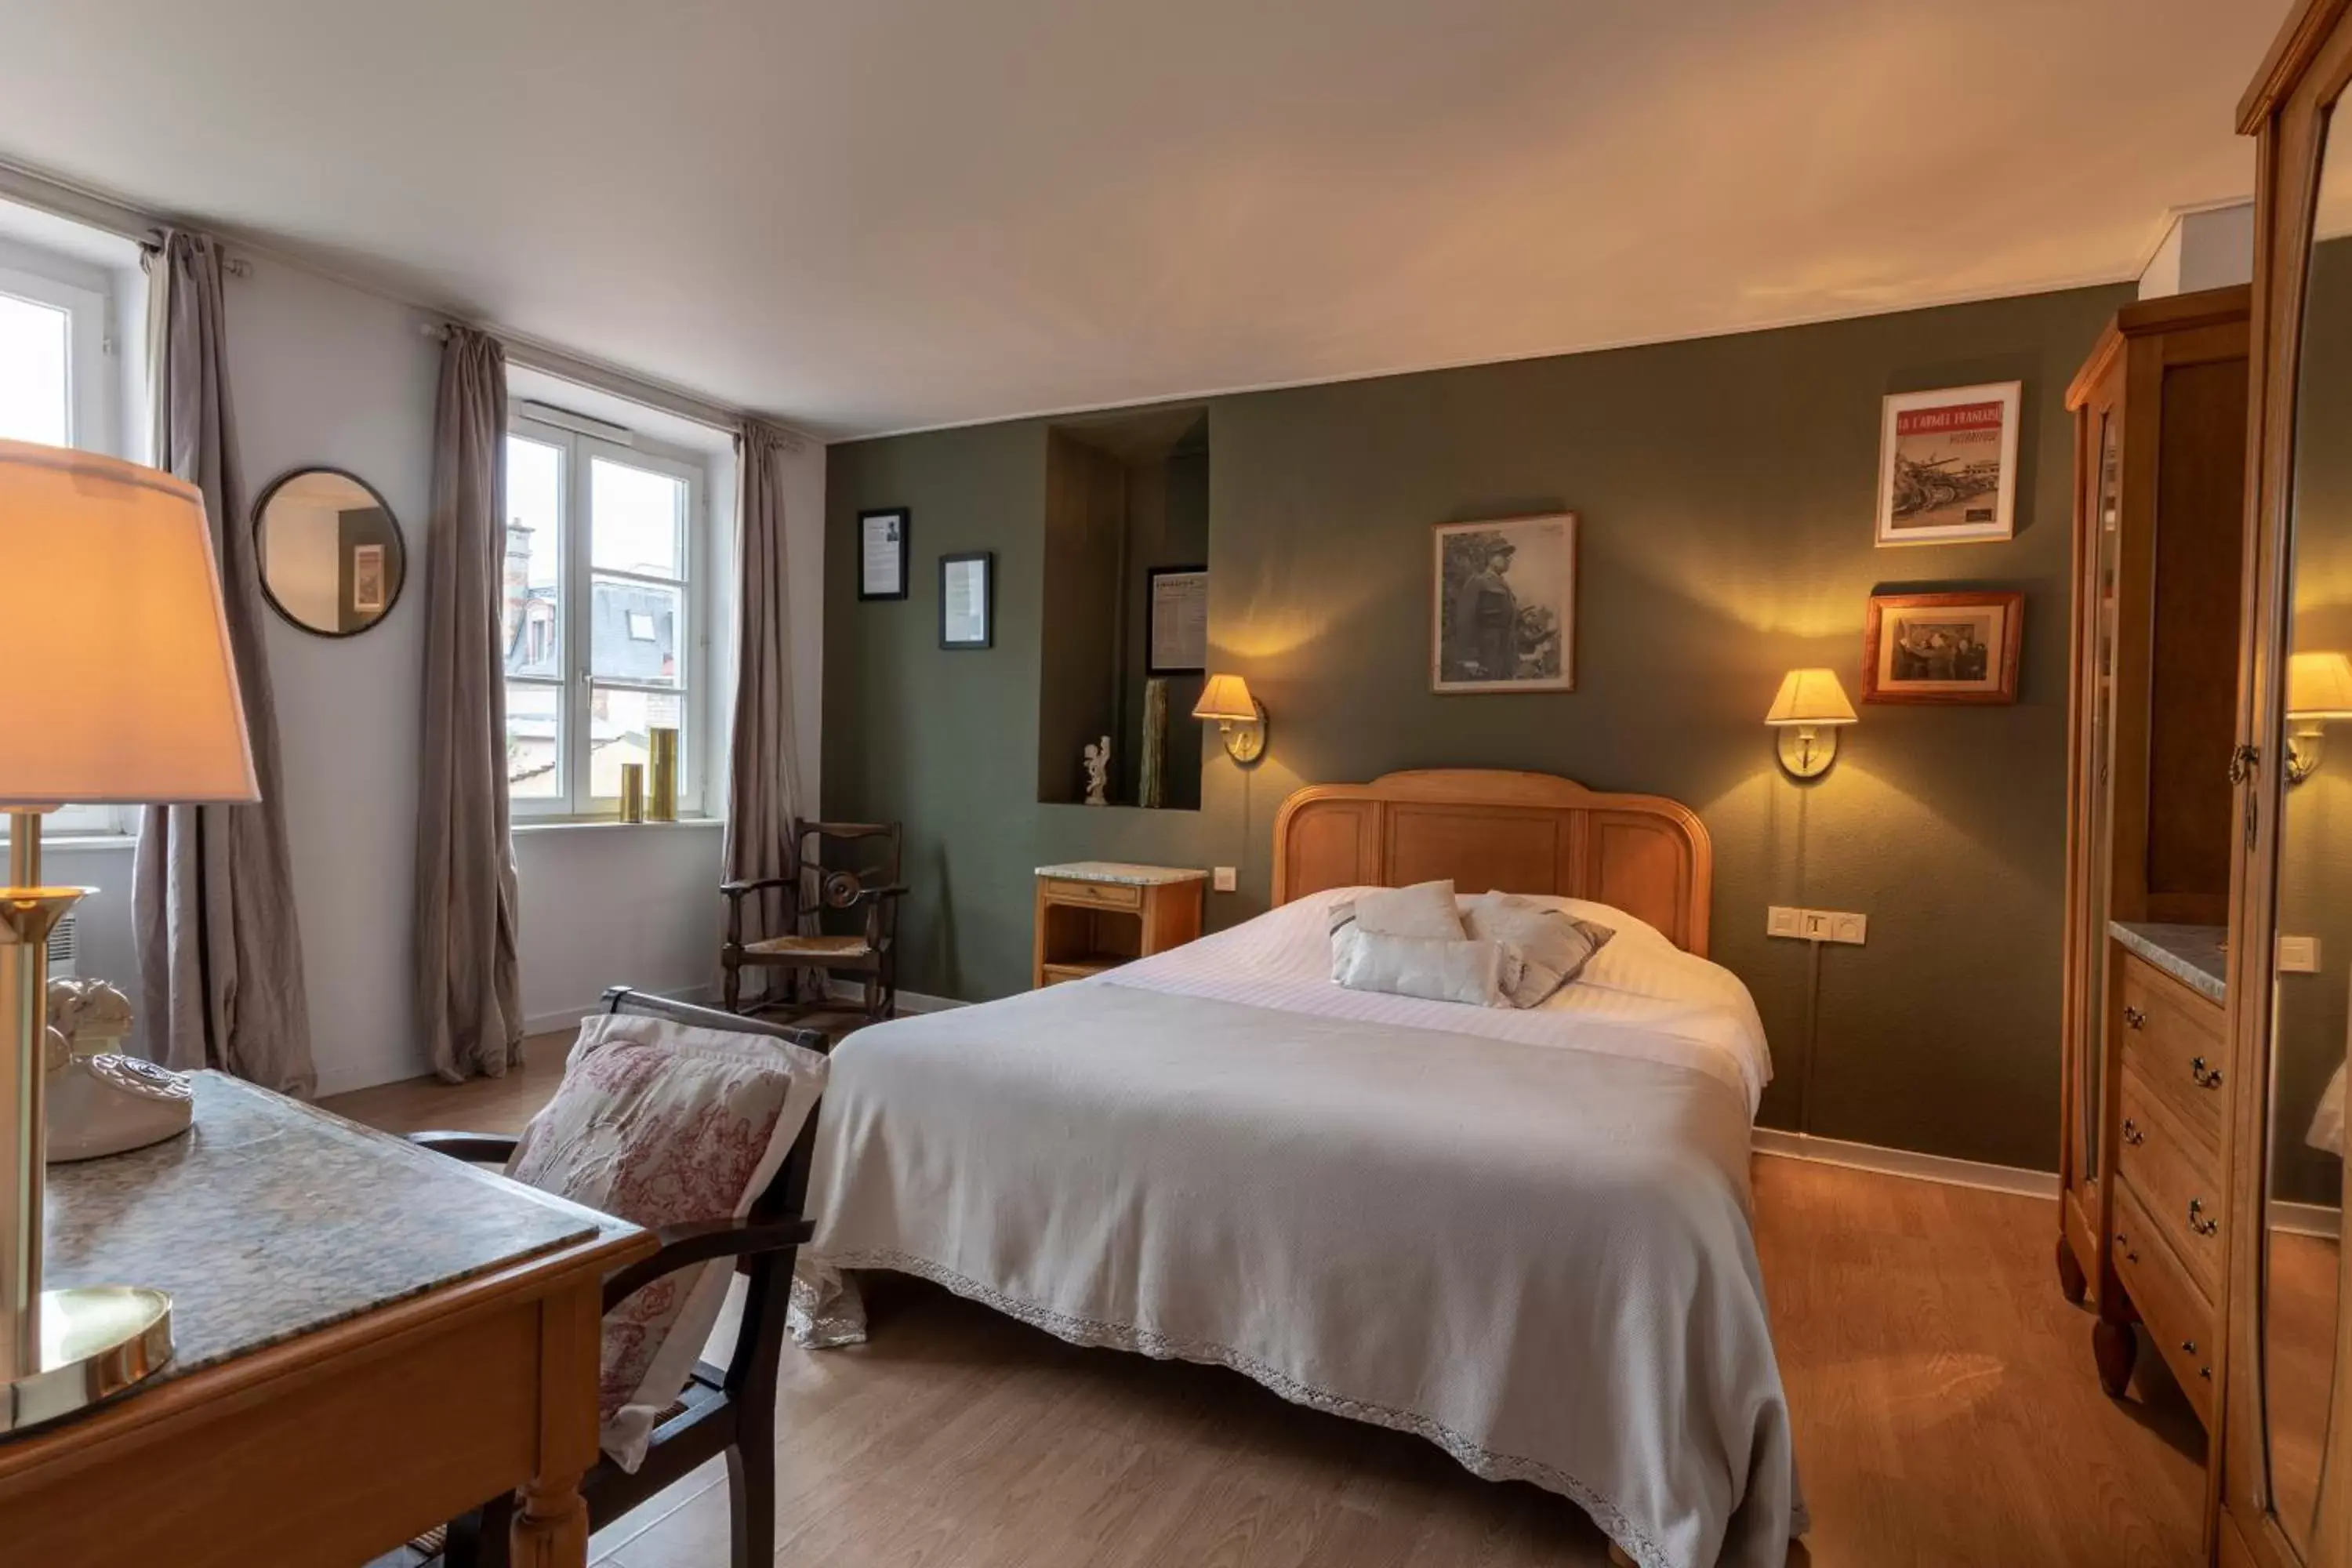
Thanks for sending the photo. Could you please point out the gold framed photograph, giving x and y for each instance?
(1942, 647)
(1503, 615)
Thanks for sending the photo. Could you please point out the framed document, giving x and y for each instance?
(882, 552)
(968, 599)
(1176, 635)
(367, 580)
(1947, 465)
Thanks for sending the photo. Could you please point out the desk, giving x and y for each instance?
(369, 1340)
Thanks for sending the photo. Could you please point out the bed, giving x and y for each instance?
(1521, 1235)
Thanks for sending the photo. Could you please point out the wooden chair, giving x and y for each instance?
(729, 1410)
(869, 887)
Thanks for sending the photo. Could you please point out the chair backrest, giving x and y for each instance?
(867, 853)
(760, 1341)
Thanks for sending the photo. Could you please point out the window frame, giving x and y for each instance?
(575, 636)
(93, 424)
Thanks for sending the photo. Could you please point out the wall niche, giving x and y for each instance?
(1124, 496)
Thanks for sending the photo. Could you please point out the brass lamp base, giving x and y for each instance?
(96, 1341)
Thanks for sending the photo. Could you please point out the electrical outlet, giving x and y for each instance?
(2299, 955)
(1223, 880)
(1816, 925)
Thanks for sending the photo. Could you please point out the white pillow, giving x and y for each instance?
(1435, 969)
(1423, 910)
(1550, 945)
(665, 1124)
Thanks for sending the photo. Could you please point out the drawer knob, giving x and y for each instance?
(2188, 1347)
(2206, 1373)
(2205, 1077)
(2134, 1018)
(2132, 1133)
(2197, 1220)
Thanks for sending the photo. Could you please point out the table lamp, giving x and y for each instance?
(121, 689)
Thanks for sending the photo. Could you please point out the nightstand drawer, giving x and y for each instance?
(2175, 1177)
(2178, 1318)
(2173, 1036)
(1097, 895)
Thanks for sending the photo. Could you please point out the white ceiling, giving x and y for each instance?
(880, 214)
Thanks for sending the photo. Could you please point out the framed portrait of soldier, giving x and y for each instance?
(1503, 615)
(1942, 647)
(1947, 465)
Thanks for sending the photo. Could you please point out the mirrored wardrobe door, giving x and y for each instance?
(2311, 1006)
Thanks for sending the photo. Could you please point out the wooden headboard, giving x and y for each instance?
(1524, 833)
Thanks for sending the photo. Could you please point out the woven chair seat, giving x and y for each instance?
(812, 947)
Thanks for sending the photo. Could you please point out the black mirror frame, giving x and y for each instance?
(399, 574)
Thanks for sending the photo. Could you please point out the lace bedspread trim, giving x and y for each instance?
(825, 1314)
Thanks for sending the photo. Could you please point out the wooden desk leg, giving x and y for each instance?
(550, 1526)
(551, 1522)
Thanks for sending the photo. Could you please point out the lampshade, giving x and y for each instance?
(117, 685)
(2319, 686)
(1810, 697)
(1227, 699)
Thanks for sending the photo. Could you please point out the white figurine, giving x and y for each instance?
(1099, 772)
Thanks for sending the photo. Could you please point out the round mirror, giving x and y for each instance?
(331, 560)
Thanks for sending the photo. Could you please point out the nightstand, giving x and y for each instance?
(1093, 915)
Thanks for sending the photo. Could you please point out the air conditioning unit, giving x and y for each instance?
(64, 949)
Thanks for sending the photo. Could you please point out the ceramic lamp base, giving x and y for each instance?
(96, 1341)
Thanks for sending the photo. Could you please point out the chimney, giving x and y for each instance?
(517, 581)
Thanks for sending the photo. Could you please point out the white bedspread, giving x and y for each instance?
(1522, 1236)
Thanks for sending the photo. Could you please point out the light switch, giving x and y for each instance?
(1223, 880)
(2299, 954)
(1816, 925)
(1781, 920)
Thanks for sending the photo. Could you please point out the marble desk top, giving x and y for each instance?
(2191, 954)
(270, 1218)
(1121, 872)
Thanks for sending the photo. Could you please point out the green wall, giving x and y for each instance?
(1727, 486)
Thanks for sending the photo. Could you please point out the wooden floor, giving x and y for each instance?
(1945, 1414)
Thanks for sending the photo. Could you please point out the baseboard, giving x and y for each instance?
(570, 1018)
(909, 1002)
(1904, 1163)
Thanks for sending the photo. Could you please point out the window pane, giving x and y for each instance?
(533, 616)
(534, 743)
(34, 391)
(633, 632)
(639, 518)
(616, 734)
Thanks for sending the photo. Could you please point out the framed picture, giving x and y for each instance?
(968, 599)
(882, 552)
(1947, 465)
(367, 579)
(1176, 631)
(1942, 647)
(1503, 610)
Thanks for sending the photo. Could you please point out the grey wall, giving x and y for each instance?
(1727, 488)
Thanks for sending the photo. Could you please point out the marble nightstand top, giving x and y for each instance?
(2191, 954)
(272, 1218)
(1122, 873)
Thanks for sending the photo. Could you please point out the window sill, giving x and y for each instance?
(606, 823)
(66, 843)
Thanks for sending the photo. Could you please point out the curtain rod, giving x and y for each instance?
(80, 204)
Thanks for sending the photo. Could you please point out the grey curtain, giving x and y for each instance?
(469, 987)
(763, 780)
(220, 952)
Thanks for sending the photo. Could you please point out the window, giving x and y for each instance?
(56, 388)
(600, 614)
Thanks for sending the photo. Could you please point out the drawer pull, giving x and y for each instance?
(2132, 1133)
(2134, 1018)
(2188, 1347)
(2197, 1222)
(2205, 1077)
(2206, 1373)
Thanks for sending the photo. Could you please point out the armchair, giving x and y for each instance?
(864, 897)
(729, 1410)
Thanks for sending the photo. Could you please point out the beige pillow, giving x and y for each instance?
(1424, 910)
(665, 1124)
(1435, 969)
(1551, 946)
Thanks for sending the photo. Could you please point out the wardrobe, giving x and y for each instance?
(2208, 923)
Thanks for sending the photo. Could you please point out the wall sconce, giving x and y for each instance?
(1806, 713)
(2318, 688)
(1241, 718)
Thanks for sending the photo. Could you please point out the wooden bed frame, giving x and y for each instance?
(1523, 833)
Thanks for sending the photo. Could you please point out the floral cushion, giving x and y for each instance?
(664, 1124)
